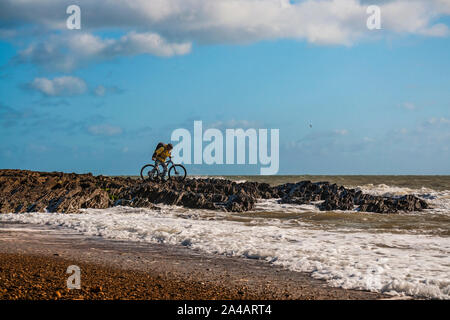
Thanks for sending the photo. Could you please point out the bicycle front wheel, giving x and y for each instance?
(149, 172)
(177, 172)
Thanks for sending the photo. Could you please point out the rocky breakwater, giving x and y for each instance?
(30, 191)
(330, 197)
(198, 193)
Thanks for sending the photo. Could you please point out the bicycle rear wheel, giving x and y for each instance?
(149, 172)
(177, 172)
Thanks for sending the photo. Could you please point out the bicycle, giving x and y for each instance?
(152, 172)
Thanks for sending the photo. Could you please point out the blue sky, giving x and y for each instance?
(378, 101)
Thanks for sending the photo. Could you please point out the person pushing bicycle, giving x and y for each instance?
(160, 156)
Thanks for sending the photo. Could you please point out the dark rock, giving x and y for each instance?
(341, 198)
(24, 191)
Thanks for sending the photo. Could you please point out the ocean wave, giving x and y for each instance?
(397, 264)
(439, 200)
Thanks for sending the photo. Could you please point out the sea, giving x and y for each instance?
(402, 255)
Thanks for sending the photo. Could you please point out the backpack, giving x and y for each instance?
(159, 145)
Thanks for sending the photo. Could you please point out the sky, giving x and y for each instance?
(345, 99)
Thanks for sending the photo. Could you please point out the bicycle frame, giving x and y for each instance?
(169, 164)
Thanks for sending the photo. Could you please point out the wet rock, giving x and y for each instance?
(335, 197)
(25, 191)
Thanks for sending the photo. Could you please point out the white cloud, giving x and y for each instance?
(409, 106)
(151, 43)
(233, 124)
(425, 137)
(101, 90)
(62, 86)
(438, 30)
(233, 20)
(415, 16)
(169, 27)
(104, 130)
(438, 121)
(68, 51)
(341, 132)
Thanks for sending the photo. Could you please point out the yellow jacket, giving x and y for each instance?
(162, 154)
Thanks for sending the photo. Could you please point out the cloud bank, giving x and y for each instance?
(168, 28)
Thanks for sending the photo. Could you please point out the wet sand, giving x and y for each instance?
(34, 260)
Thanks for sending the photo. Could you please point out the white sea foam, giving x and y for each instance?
(399, 264)
(271, 205)
(216, 177)
(439, 200)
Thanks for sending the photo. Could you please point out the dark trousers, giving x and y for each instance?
(164, 165)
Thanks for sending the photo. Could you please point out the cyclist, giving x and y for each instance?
(160, 156)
